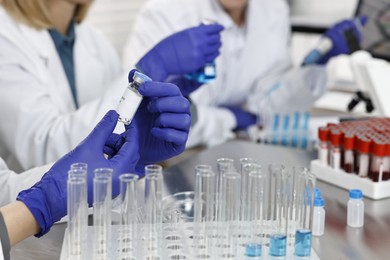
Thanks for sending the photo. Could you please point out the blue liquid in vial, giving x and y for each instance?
(278, 245)
(253, 250)
(204, 75)
(302, 243)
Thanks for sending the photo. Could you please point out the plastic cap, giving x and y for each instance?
(355, 194)
(140, 78)
(335, 137)
(319, 202)
(323, 134)
(364, 145)
(379, 148)
(317, 193)
(349, 141)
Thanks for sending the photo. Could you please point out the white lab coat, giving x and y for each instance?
(253, 58)
(12, 183)
(39, 120)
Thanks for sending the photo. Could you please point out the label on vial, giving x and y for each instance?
(128, 106)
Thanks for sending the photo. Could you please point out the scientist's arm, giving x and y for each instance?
(38, 129)
(19, 222)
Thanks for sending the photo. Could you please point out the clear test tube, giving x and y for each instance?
(297, 199)
(378, 160)
(256, 197)
(323, 145)
(286, 130)
(305, 130)
(204, 210)
(364, 148)
(77, 213)
(153, 210)
(79, 166)
(102, 203)
(223, 165)
(129, 207)
(248, 165)
(303, 235)
(277, 211)
(349, 156)
(230, 215)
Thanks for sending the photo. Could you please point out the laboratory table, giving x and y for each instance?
(339, 241)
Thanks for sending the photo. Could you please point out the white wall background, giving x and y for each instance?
(115, 19)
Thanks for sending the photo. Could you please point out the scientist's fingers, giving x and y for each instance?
(213, 39)
(128, 154)
(212, 57)
(158, 89)
(103, 129)
(176, 121)
(212, 49)
(113, 144)
(170, 135)
(213, 28)
(169, 104)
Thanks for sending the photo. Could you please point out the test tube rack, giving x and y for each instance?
(348, 181)
(177, 243)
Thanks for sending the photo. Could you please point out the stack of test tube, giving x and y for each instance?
(290, 130)
(252, 213)
(357, 147)
(238, 214)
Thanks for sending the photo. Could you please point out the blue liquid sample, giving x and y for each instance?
(302, 243)
(253, 250)
(278, 245)
(204, 75)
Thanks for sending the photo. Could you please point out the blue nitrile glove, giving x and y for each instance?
(186, 86)
(244, 119)
(163, 121)
(337, 36)
(47, 199)
(183, 52)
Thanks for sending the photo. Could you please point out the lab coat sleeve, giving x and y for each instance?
(12, 183)
(289, 90)
(33, 127)
(214, 126)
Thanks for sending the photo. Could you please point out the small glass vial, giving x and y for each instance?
(323, 145)
(364, 146)
(131, 99)
(355, 217)
(349, 160)
(378, 160)
(318, 217)
(335, 150)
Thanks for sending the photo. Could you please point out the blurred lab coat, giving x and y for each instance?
(12, 183)
(254, 68)
(39, 120)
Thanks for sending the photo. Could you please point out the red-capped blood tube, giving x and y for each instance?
(323, 145)
(335, 152)
(364, 156)
(377, 160)
(349, 160)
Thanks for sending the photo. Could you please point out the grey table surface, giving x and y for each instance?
(339, 241)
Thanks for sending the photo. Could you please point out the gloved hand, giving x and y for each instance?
(183, 52)
(337, 34)
(47, 199)
(244, 119)
(186, 86)
(163, 121)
